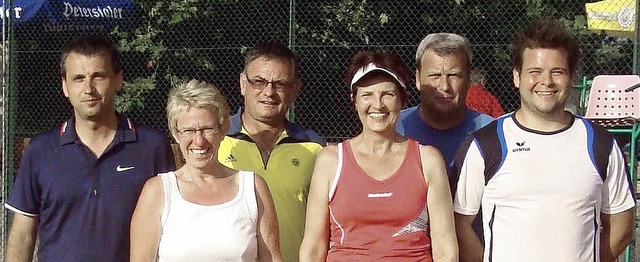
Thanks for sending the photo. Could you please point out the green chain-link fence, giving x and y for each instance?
(167, 41)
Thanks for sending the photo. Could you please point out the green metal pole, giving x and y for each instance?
(629, 252)
(292, 46)
(635, 39)
(8, 137)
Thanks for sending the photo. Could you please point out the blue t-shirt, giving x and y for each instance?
(447, 141)
(84, 204)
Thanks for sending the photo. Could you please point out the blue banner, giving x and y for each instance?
(60, 12)
(89, 11)
(21, 11)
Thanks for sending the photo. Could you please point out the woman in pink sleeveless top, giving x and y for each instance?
(379, 196)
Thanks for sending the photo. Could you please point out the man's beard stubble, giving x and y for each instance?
(441, 116)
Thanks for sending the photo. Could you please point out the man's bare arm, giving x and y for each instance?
(22, 238)
(616, 234)
(470, 247)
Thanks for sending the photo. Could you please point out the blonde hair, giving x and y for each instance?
(196, 94)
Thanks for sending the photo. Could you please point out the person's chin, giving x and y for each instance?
(200, 163)
(271, 115)
(443, 108)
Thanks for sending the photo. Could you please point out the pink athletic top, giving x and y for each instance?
(379, 220)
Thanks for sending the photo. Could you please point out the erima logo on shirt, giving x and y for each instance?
(380, 195)
(521, 148)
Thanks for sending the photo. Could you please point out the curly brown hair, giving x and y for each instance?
(545, 33)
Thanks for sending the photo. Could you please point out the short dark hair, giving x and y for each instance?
(88, 46)
(388, 61)
(271, 50)
(545, 33)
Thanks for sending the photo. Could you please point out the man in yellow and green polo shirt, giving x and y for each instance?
(262, 140)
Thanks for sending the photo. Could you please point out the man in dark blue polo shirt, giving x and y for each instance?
(78, 184)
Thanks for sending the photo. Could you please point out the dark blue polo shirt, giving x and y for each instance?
(85, 203)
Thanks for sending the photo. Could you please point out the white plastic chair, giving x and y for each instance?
(611, 106)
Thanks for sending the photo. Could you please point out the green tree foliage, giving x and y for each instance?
(170, 39)
(160, 20)
(490, 25)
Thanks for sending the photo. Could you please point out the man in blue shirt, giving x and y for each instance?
(443, 63)
(442, 119)
(78, 184)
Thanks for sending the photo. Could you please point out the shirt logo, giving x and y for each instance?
(380, 195)
(122, 169)
(230, 158)
(521, 147)
(295, 162)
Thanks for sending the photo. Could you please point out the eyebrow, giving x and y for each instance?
(93, 74)
(99, 73)
(263, 78)
(455, 70)
(202, 127)
(552, 69)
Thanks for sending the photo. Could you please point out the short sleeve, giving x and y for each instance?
(25, 195)
(469, 171)
(165, 160)
(617, 192)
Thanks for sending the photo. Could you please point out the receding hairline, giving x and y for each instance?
(103, 54)
(281, 60)
(444, 44)
(459, 52)
(270, 51)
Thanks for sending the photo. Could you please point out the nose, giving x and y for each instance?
(445, 84)
(88, 86)
(269, 89)
(546, 78)
(377, 103)
(198, 137)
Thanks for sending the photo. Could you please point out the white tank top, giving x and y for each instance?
(224, 232)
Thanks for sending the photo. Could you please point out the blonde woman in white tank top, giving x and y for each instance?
(203, 211)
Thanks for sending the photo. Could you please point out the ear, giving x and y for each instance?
(516, 78)
(64, 87)
(418, 85)
(297, 86)
(226, 125)
(243, 83)
(119, 82)
(175, 136)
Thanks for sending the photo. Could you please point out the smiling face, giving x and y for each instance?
(378, 103)
(269, 104)
(199, 135)
(544, 82)
(91, 85)
(443, 80)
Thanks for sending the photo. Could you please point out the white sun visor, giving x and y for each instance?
(370, 68)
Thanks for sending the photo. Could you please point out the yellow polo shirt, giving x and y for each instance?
(287, 173)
